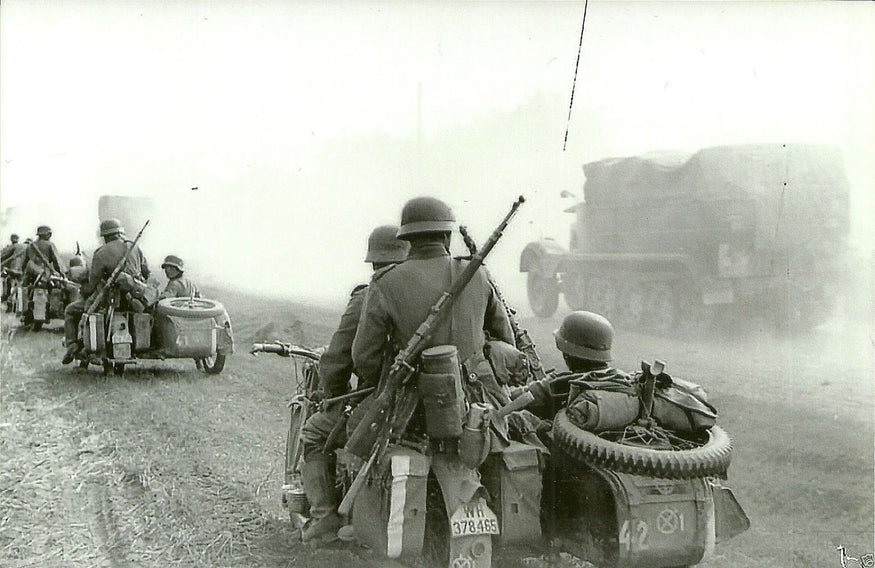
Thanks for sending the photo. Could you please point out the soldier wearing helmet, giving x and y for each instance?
(335, 372)
(12, 257)
(399, 298)
(178, 285)
(103, 263)
(41, 256)
(584, 339)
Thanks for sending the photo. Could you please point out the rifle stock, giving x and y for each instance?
(376, 429)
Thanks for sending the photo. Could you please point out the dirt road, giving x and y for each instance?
(169, 467)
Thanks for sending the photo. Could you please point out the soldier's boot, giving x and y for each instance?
(318, 476)
(71, 340)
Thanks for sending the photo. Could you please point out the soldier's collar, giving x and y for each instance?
(424, 250)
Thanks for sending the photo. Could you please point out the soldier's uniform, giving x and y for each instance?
(399, 300)
(178, 286)
(12, 257)
(103, 263)
(335, 374)
(34, 263)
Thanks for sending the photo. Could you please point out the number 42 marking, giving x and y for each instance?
(634, 538)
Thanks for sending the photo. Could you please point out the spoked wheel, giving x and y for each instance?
(653, 452)
(543, 292)
(213, 364)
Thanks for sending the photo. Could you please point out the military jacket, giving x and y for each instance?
(180, 287)
(108, 256)
(335, 365)
(48, 250)
(399, 300)
(13, 255)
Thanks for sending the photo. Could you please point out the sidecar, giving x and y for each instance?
(175, 328)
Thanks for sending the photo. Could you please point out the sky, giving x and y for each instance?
(305, 124)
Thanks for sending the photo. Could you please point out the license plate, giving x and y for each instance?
(473, 519)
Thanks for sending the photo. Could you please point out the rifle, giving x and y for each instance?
(97, 298)
(521, 337)
(402, 368)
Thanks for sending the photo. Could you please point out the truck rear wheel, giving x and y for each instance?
(543, 292)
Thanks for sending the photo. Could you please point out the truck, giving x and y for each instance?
(672, 240)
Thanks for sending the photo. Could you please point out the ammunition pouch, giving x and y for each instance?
(509, 365)
(480, 385)
(440, 387)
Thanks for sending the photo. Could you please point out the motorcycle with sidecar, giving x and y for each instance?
(173, 328)
(45, 299)
(634, 496)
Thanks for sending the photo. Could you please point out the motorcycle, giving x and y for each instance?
(12, 289)
(45, 299)
(174, 328)
(633, 496)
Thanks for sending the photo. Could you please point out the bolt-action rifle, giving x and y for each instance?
(521, 337)
(377, 419)
(96, 299)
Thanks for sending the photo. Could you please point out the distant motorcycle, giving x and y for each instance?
(174, 328)
(45, 299)
(12, 286)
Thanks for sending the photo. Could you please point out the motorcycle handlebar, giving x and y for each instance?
(285, 350)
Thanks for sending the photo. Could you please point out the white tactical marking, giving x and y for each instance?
(397, 502)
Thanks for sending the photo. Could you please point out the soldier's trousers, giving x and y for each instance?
(72, 314)
(316, 430)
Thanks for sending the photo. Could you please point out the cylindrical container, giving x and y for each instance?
(475, 442)
(440, 388)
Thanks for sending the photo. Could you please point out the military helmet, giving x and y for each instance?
(28, 240)
(425, 215)
(585, 335)
(75, 260)
(174, 261)
(44, 231)
(13, 237)
(385, 246)
(111, 227)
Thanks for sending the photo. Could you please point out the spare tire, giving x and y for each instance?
(711, 457)
(190, 308)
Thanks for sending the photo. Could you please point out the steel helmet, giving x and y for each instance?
(28, 240)
(44, 230)
(111, 227)
(425, 215)
(13, 237)
(585, 335)
(385, 246)
(75, 261)
(174, 261)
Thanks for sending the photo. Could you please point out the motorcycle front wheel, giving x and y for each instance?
(214, 364)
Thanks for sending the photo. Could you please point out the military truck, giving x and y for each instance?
(675, 240)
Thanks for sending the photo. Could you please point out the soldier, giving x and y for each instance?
(39, 253)
(178, 285)
(12, 258)
(400, 297)
(103, 263)
(335, 371)
(399, 300)
(585, 340)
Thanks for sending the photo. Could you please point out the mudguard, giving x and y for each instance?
(544, 256)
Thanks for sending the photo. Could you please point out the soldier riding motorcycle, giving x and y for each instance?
(113, 327)
(616, 492)
(46, 290)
